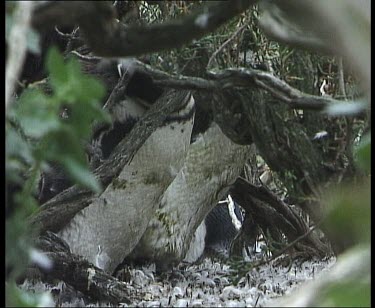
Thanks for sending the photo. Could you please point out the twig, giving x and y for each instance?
(341, 78)
(225, 44)
(64, 35)
(87, 58)
(290, 245)
(348, 120)
(283, 250)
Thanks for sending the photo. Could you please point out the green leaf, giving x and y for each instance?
(80, 93)
(81, 174)
(65, 147)
(60, 144)
(353, 288)
(348, 294)
(363, 153)
(84, 88)
(30, 205)
(17, 243)
(58, 140)
(36, 113)
(16, 297)
(90, 90)
(82, 116)
(13, 169)
(59, 75)
(16, 146)
(348, 213)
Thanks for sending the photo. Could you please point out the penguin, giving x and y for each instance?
(125, 114)
(223, 224)
(107, 230)
(212, 164)
(216, 233)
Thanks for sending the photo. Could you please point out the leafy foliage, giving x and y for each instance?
(36, 133)
(60, 139)
(363, 153)
(17, 298)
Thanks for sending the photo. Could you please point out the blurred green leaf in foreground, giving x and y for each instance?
(36, 134)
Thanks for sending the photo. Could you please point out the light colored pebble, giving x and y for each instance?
(182, 302)
(207, 285)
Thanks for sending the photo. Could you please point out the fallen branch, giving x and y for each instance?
(269, 211)
(80, 274)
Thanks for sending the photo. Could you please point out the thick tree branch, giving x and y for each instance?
(242, 78)
(49, 14)
(164, 79)
(276, 25)
(335, 27)
(276, 87)
(109, 38)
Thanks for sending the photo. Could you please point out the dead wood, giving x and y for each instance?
(80, 274)
(276, 217)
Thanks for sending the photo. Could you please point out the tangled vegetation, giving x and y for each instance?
(331, 192)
